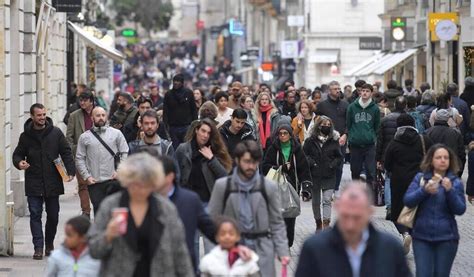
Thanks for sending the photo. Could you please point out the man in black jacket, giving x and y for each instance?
(236, 130)
(353, 247)
(179, 110)
(288, 106)
(38, 148)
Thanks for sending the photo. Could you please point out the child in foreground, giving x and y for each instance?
(224, 260)
(72, 258)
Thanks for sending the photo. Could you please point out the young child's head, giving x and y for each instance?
(76, 229)
(228, 234)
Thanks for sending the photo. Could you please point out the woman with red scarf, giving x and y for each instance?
(267, 117)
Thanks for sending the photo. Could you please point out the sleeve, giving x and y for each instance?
(183, 265)
(349, 118)
(338, 157)
(81, 153)
(216, 205)
(98, 246)
(455, 198)
(66, 154)
(205, 223)
(432, 117)
(277, 225)
(379, 145)
(194, 111)
(461, 150)
(389, 155)
(70, 136)
(308, 151)
(270, 160)
(401, 263)
(307, 265)
(52, 269)
(415, 193)
(377, 120)
(304, 174)
(165, 110)
(19, 154)
(217, 168)
(122, 146)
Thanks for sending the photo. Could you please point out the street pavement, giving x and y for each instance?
(21, 264)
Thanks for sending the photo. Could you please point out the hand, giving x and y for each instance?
(90, 181)
(70, 178)
(446, 183)
(431, 187)
(379, 165)
(114, 175)
(470, 198)
(245, 253)
(23, 165)
(139, 123)
(112, 230)
(342, 140)
(285, 260)
(206, 152)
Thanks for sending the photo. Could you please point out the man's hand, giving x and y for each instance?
(23, 165)
(342, 141)
(470, 198)
(285, 260)
(90, 181)
(114, 175)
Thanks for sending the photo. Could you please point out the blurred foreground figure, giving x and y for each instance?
(352, 247)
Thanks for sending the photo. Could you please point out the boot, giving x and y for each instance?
(326, 223)
(319, 225)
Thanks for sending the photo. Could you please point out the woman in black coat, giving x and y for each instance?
(402, 158)
(288, 152)
(324, 157)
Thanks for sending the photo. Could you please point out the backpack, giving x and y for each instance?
(261, 189)
(420, 121)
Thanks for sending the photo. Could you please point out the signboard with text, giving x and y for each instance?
(370, 43)
(67, 6)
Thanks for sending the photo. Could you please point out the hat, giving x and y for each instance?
(469, 82)
(442, 115)
(285, 123)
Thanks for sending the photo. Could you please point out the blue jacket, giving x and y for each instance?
(61, 263)
(434, 219)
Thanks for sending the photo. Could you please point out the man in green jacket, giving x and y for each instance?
(363, 121)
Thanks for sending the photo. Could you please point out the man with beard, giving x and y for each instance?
(76, 105)
(235, 92)
(79, 122)
(131, 130)
(179, 110)
(126, 111)
(39, 145)
(94, 158)
(245, 194)
(150, 123)
(288, 106)
(236, 130)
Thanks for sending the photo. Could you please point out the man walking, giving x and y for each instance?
(150, 123)
(353, 247)
(236, 130)
(99, 150)
(179, 110)
(363, 121)
(245, 194)
(79, 122)
(126, 111)
(40, 144)
(235, 93)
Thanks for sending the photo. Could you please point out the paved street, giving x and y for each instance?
(22, 264)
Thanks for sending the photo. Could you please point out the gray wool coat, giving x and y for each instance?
(171, 257)
(267, 217)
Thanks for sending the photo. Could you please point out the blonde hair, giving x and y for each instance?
(257, 104)
(141, 168)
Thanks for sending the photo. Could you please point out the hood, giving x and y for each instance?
(392, 93)
(244, 132)
(28, 126)
(371, 104)
(406, 135)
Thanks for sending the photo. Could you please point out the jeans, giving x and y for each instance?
(387, 191)
(434, 259)
(35, 206)
(316, 201)
(290, 230)
(177, 134)
(363, 156)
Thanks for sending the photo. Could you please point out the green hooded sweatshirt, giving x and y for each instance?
(362, 124)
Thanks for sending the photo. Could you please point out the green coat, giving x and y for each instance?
(362, 124)
(75, 128)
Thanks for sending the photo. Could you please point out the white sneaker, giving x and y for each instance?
(406, 242)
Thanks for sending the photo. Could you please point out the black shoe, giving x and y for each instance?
(48, 250)
(38, 255)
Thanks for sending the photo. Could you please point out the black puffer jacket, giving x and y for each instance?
(231, 140)
(442, 133)
(391, 95)
(323, 161)
(42, 177)
(302, 167)
(388, 128)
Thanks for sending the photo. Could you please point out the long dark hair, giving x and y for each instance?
(215, 141)
(427, 163)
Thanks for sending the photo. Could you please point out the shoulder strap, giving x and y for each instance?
(263, 188)
(423, 144)
(228, 190)
(103, 142)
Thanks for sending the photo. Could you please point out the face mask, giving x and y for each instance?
(325, 130)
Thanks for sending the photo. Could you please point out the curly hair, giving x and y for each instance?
(218, 147)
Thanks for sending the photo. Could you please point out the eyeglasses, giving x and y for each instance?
(284, 133)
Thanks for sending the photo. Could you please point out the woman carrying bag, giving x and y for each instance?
(438, 196)
(288, 153)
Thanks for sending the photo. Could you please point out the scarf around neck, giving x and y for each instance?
(265, 133)
(366, 104)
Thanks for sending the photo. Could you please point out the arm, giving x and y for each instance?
(70, 136)
(52, 270)
(205, 223)
(216, 203)
(337, 160)
(217, 168)
(415, 193)
(270, 160)
(19, 154)
(377, 120)
(349, 119)
(379, 145)
(66, 154)
(122, 146)
(401, 264)
(182, 265)
(98, 246)
(165, 110)
(275, 219)
(461, 150)
(389, 156)
(81, 154)
(455, 198)
(192, 104)
(307, 264)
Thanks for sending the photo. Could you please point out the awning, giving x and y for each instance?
(381, 63)
(324, 56)
(245, 70)
(95, 43)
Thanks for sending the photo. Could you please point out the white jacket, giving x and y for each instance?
(61, 263)
(216, 263)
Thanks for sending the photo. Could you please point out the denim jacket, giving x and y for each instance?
(434, 219)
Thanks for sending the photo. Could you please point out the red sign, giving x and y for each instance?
(267, 66)
(200, 25)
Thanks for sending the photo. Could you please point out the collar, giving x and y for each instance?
(156, 142)
(172, 191)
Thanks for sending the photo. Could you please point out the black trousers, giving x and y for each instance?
(98, 191)
(290, 230)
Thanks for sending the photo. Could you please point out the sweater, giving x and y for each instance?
(363, 124)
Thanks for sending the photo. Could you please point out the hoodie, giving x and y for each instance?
(230, 139)
(363, 123)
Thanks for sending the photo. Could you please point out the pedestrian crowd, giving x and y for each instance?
(162, 172)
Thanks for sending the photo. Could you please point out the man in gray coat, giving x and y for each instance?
(94, 161)
(254, 203)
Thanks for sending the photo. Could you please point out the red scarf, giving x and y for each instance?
(264, 134)
(233, 256)
(76, 253)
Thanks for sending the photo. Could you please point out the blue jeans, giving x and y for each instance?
(177, 134)
(363, 157)
(35, 206)
(387, 191)
(434, 259)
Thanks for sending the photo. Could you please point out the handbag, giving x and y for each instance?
(407, 215)
(289, 197)
(117, 156)
(379, 189)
